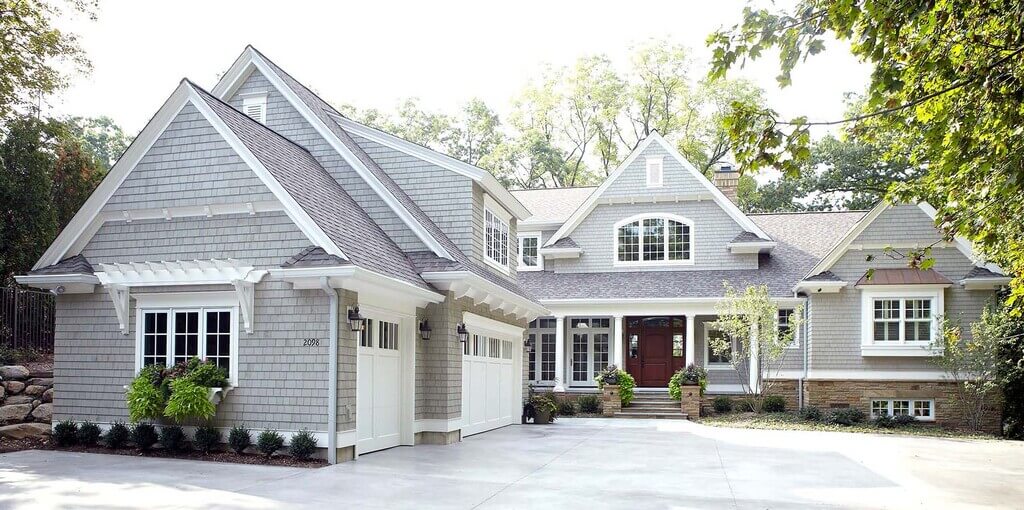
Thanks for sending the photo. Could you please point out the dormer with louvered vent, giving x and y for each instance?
(255, 106)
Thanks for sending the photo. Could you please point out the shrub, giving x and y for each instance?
(189, 400)
(692, 374)
(613, 375)
(172, 438)
(847, 417)
(269, 442)
(884, 421)
(144, 398)
(811, 413)
(902, 420)
(773, 404)
(722, 404)
(303, 445)
(208, 375)
(144, 436)
(18, 355)
(117, 436)
(589, 404)
(567, 408)
(239, 439)
(88, 434)
(65, 433)
(206, 439)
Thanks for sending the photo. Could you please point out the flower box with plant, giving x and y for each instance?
(692, 375)
(545, 409)
(187, 390)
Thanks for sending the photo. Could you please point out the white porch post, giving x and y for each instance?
(559, 353)
(617, 342)
(755, 364)
(691, 335)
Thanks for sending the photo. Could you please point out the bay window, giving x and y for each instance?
(654, 239)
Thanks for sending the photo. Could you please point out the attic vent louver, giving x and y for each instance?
(256, 108)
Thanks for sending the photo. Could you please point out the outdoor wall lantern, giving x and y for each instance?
(529, 344)
(463, 333)
(355, 320)
(424, 329)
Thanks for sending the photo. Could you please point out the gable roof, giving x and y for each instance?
(319, 114)
(76, 264)
(716, 194)
(552, 205)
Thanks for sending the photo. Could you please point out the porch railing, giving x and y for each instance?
(26, 319)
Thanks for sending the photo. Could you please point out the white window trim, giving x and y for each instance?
(540, 259)
(651, 183)
(707, 350)
(258, 98)
(912, 401)
(649, 263)
(901, 347)
(538, 360)
(179, 302)
(591, 352)
(795, 344)
(491, 206)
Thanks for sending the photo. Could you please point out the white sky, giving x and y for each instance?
(372, 54)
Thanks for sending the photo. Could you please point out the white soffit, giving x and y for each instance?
(484, 292)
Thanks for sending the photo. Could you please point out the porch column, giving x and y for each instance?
(617, 342)
(755, 362)
(559, 353)
(691, 335)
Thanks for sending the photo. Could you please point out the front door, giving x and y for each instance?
(651, 354)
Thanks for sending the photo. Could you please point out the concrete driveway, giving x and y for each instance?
(583, 463)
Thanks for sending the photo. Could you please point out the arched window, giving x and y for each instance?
(654, 239)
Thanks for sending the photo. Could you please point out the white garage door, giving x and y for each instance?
(489, 390)
(378, 418)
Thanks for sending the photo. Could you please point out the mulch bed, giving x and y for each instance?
(9, 445)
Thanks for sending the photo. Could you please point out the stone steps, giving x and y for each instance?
(676, 415)
(652, 405)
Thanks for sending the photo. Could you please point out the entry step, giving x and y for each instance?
(675, 415)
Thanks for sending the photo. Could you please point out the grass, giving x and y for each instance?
(790, 421)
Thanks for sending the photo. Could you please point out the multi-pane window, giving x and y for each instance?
(714, 337)
(479, 345)
(528, 252)
(591, 344)
(900, 407)
(496, 238)
(785, 323)
(542, 359)
(923, 409)
(531, 365)
(387, 335)
(600, 352)
(654, 239)
(169, 337)
(547, 357)
(902, 320)
(580, 343)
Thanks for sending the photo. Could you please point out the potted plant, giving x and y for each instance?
(187, 390)
(692, 375)
(544, 409)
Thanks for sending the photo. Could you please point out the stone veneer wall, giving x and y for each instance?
(24, 397)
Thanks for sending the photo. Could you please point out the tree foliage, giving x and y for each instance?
(947, 90)
(972, 362)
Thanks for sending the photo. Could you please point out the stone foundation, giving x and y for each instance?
(787, 389)
(611, 401)
(690, 400)
(24, 398)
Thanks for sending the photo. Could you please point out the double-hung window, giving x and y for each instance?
(654, 240)
(900, 323)
(529, 253)
(495, 239)
(170, 336)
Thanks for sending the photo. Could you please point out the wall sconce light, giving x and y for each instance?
(355, 320)
(424, 329)
(463, 333)
(530, 344)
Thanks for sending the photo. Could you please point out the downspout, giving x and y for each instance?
(332, 374)
(806, 350)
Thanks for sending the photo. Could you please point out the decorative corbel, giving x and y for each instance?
(246, 293)
(119, 295)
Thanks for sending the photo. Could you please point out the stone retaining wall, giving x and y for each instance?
(25, 398)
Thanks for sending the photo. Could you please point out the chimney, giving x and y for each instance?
(727, 179)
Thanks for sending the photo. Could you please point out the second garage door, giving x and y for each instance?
(489, 388)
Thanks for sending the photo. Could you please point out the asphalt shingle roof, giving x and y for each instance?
(314, 256)
(565, 242)
(71, 265)
(747, 237)
(553, 204)
(981, 272)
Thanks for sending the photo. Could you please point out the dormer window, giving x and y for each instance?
(654, 239)
(255, 107)
(655, 172)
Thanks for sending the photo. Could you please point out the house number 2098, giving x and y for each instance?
(311, 342)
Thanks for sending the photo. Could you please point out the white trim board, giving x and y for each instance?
(723, 202)
(88, 220)
(250, 60)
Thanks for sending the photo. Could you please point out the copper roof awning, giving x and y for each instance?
(903, 276)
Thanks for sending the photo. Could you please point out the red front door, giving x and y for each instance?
(649, 349)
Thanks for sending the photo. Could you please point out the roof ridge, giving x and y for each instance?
(783, 213)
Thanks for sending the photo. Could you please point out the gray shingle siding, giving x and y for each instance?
(478, 248)
(675, 180)
(287, 121)
(189, 164)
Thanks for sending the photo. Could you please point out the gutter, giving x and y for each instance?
(332, 374)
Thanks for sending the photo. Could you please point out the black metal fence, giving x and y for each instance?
(26, 318)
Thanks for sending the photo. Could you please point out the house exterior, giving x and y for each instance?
(379, 293)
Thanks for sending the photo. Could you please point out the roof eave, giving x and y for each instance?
(483, 292)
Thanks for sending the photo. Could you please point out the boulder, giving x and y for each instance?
(35, 390)
(18, 399)
(14, 387)
(15, 412)
(48, 395)
(23, 430)
(40, 381)
(43, 413)
(3, 393)
(13, 372)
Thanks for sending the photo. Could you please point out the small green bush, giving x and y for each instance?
(722, 404)
(903, 420)
(239, 439)
(172, 438)
(269, 442)
(189, 400)
(884, 421)
(811, 413)
(144, 398)
(117, 436)
(303, 445)
(65, 433)
(848, 416)
(88, 434)
(589, 404)
(206, 439)
(613, 375)
(567, 408)
(144, 436)
(774, 404)
(18, 355)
